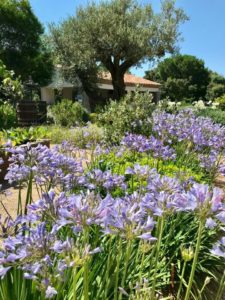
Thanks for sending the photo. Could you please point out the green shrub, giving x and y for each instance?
(93, 117)
(7, 116)
(20, 136)
(217, 115)
(68, 113)
(221, 102)
(79, 136)
(131, 114)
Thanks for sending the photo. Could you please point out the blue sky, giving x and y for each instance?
(203, 34)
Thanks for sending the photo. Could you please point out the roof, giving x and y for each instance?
(129, 79)
(59, 81)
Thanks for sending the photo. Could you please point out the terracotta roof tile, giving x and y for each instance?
(129, 79)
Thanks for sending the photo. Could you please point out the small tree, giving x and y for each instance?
(118, 34)
(183, 78)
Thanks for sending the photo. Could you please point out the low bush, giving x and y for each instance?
(20, 136)
(217, 115)
(131, 114)
(7, 116)
(68, 113)
(78, 136)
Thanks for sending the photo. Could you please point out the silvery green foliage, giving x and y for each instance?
(68, 113)
(131, 114)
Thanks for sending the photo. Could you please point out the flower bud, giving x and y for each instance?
(187, 253)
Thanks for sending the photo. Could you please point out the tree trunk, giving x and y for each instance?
(118, 84)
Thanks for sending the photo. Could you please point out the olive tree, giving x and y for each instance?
(117, 35)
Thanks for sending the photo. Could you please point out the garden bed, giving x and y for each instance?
(141, 220)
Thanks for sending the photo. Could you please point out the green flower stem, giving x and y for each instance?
(221, 288)
(194, 264)
(86, 267)
(5, 209)
(19, 204)
(157, 165)
(127, 257)
(29, 192)
(142, 265)
(158, 246)
(75, 283)
(132, 183)
(117, 269)
(106, 279)
(181, 280)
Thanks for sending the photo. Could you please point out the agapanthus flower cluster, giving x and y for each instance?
(150, 144)
(140, 171)
(46, 166)
(185, 125)
(44, 255)
(41, 254)
(135, 142)
(105, 179)
(213, 162)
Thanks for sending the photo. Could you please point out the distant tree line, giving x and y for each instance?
(185, 78)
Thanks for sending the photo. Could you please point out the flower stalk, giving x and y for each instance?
(158, 246)
(195, 259)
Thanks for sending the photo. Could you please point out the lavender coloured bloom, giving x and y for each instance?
(219, 248)
(45, 166)
(185, 126)
(135, 142)
(3, 271)
(210, 223)
(50, 292)
(109, 181)
(147, 237)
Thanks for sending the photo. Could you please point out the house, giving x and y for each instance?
(132, 82)
(59, 87)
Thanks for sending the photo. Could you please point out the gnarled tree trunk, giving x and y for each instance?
(118, 84)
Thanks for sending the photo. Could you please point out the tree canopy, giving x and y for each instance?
(183, 78)
(21, 47)
(11, 87)
(216, 87)
(118, 34)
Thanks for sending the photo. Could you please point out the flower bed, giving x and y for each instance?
(143, 220)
